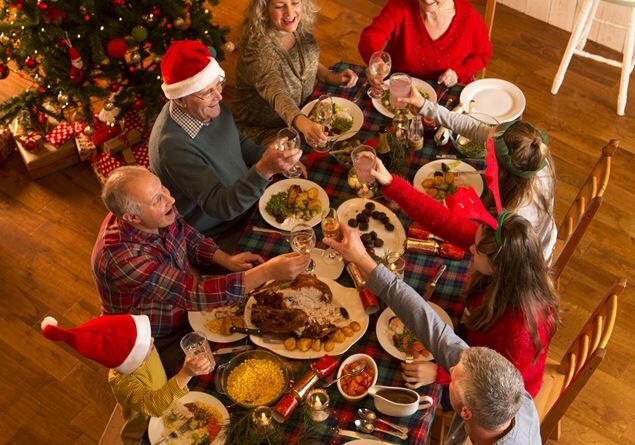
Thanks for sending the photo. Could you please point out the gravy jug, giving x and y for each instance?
(398, 402)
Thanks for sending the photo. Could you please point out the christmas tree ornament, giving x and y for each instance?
(88, 130)
(39, 79)
(213, 51)
(109, 106)
(62, 99)
(229, 47)
(83, 10)
(4, 71)
(30, 62)
(118, 2)
(138, 105)
(42, 6)
(41, 90)
(117, 48)
(114, 87)
(4, 40)
(77, 64)
(135, 58)
(148, 18)
(156, 12)
(55, 15)
(139, 33)
(179, 23)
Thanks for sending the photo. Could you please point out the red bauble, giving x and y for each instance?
(30, 146)
(118, 2)
(117, 48)
(42, 118)
(156, 12)
(41, 90)
(138, 105)
(4, 71)
(42, 6)
(114, 87)
(30, 62)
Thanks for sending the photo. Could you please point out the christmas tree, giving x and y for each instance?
(78, 52)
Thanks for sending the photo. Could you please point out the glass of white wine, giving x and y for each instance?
(302, 240)
(379, 67)
(288, 139)
(324, 113)
(331, 229)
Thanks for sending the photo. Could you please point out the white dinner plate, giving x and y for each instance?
(283, 186)
(421, 84)
(355, 112)
(497, 98)
(156, 428)
(325, 268)
(472, 180)
(393, 241)
(197, 321)
(346, 297)
(384, 333)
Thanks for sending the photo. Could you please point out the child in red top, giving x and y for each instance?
(444, 40)
(511, 305)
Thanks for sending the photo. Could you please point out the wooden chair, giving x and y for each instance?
(490, 9)
(563, 381)
(582, 210)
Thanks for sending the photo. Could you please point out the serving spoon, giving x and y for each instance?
(370, 416)
(357, 370)
(367, 427)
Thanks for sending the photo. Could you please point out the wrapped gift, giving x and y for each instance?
(103, 164)
(103, 132)
(7, 143)
(49, 158)
(61, 134)
(31, 141)
(124, 141)
(85, 147)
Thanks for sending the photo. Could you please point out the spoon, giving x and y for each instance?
(370, 416)
(366, 427)
(355, 371)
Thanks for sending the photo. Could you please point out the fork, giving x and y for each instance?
(175, 433)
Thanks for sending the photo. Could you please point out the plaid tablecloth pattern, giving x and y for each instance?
(420, 268)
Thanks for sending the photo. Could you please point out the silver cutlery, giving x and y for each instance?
(233, 349)
(357, 371)
(367, 427)
(369, 414)
(353, 434)
(265, 230)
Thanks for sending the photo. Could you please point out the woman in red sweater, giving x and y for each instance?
(511, 304)
(445, 40)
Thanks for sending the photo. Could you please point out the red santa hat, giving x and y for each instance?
(187, 67)
(120, 342)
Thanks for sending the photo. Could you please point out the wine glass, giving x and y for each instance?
(324, 116)
(378, 68)
(288, 139)
(364, 159)
(331, 229)
(302, 240)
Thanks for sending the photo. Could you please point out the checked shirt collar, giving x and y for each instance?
(186, 122)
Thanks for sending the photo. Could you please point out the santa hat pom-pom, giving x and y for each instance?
(48, 321)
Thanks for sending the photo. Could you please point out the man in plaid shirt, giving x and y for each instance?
(141, 260)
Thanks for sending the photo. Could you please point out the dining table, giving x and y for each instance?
(420, 268)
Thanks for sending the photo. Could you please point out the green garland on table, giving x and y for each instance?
(242, 431)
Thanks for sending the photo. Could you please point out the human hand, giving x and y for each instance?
(346, 79)
(242, 261)
(313, 132)
(196, 365)
(419, 373)
(449, 78)
(381, 173)
(374, 80)
(415, 101)
(275, 161)
(351, 247)
(287, 266)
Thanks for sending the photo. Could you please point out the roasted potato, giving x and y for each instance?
(329, 345)
(347, 331)
(314, 204)
(339, 336)
(290, 344)
(312, 193)
(304, 344)
(355, 326)
(316, 345)
(292, 195)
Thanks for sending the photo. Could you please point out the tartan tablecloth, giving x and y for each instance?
(420, 268)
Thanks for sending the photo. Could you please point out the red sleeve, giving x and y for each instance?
(431, 214)
(374, 36)
(481, 50)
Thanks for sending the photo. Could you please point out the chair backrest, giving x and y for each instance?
(583, 356)
(583, 209)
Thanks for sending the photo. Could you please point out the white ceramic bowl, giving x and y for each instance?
(354, 358)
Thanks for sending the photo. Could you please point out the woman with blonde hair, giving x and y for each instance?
(277, 68)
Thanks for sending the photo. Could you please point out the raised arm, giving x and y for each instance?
(462, 124)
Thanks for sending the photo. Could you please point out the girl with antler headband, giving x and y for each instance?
(526, 173)
(510, 302)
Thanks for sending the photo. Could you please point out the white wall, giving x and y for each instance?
(562, 13)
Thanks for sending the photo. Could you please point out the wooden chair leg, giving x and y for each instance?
(627, 65)
(557, 432)
(578, 28)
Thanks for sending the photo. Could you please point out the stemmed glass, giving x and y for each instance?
(324, 116)
(302, 240)
(331, 229)
(364, 158)
(288, 139)
(378, 68)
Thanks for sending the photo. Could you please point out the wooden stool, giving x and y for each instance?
(578, 39)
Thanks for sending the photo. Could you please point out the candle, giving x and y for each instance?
(318, 402)
(262, 417)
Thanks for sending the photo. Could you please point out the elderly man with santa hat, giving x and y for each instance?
(213, 171)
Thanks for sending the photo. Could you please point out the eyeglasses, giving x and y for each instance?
(218, 89)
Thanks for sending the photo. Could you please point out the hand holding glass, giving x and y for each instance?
(331, 229)
(324, 116)
(289, 139)
(364, 158)
(378, 68)
(194, 344)
(302, 240)
(399, 85)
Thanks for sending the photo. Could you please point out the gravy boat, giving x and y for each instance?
(398, 402)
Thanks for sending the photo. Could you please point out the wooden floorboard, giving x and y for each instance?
(47, 228)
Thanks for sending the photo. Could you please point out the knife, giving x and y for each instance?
(354, 434)
(233, 349)
(431, 286)
(258, 333)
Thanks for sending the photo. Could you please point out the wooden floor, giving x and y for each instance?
(47, 228)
